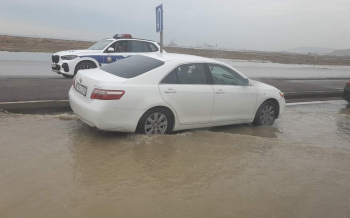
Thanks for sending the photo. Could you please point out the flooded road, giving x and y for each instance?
(56, 166)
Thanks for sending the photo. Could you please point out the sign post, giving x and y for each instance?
(159, 24)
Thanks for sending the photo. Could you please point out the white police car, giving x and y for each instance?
(104, 52)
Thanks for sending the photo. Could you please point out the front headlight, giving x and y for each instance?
(69, 57)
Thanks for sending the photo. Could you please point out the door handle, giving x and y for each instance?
(170, 91)
(220, 92)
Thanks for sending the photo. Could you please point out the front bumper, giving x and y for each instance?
(103, 115)
(282, 104)
(64, 66)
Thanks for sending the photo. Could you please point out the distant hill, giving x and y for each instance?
(342, 52)
(306, 50)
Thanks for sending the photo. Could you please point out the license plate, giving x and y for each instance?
(81, 89)
(53, 65)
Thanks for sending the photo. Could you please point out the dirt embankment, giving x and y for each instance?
(28, 44)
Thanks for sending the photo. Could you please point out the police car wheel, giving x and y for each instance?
(84, 65)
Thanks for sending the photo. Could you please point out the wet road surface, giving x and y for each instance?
(33, 65)
(56, 166)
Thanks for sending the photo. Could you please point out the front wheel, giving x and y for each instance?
(156, 121)
(266, 114)
(84, 65)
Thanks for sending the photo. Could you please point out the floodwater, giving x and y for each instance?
(28, 64)
(56, 166)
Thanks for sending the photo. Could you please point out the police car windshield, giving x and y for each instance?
(100, 45)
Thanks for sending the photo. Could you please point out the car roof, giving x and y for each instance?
(178, 57)
(131, 39)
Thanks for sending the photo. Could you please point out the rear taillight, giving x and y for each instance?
(348, 83)
(107, 94)
(74, 82)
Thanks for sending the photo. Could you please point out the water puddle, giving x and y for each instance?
(56, 166)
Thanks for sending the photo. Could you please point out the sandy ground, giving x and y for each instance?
(26, 44)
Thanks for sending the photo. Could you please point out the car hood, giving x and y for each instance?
(258, 84)
(77, 52)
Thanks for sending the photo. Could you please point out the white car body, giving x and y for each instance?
(193, 106)
(97, 57)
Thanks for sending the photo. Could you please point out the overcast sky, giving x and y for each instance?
(238, 24)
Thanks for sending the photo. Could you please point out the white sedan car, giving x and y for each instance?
(158, 94)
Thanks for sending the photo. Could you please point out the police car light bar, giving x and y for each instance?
(120, 36)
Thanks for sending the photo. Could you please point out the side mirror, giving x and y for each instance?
(110, 49)
(246, 82)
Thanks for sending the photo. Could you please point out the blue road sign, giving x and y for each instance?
(159, 18)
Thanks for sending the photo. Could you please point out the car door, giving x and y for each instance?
(233, 99)
(121, 50)
(188, 90)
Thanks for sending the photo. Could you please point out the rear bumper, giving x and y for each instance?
(102, 114)
(346, 95)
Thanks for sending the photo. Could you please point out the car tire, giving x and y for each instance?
(67, 76)
(163, 125)
(84, 65)
(266, 114)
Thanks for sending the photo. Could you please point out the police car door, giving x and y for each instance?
(120, 50)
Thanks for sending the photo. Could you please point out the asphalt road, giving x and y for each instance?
(34, 89)
(42, 68)
(31, 78)
(26, 69)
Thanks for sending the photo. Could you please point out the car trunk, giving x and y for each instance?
(87, 80)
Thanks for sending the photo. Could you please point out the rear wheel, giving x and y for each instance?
(266, 114)
(84, 65)
(156, 121)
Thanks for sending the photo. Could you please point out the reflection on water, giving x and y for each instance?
(248, 129)
(56, 166)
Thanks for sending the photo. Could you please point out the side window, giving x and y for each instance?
(136, 46)
(225, 76)
(153, 47)
(119, 46)
(171, 78)
(187, 74)
(145, 47)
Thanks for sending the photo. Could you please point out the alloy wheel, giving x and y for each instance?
(156, 123)
(85, 66)
(267, 114)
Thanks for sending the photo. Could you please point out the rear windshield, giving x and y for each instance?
(132, 66)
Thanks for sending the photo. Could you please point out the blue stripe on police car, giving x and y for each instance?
(109, 59)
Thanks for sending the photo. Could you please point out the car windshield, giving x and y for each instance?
(100, 45)
(132, 66)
